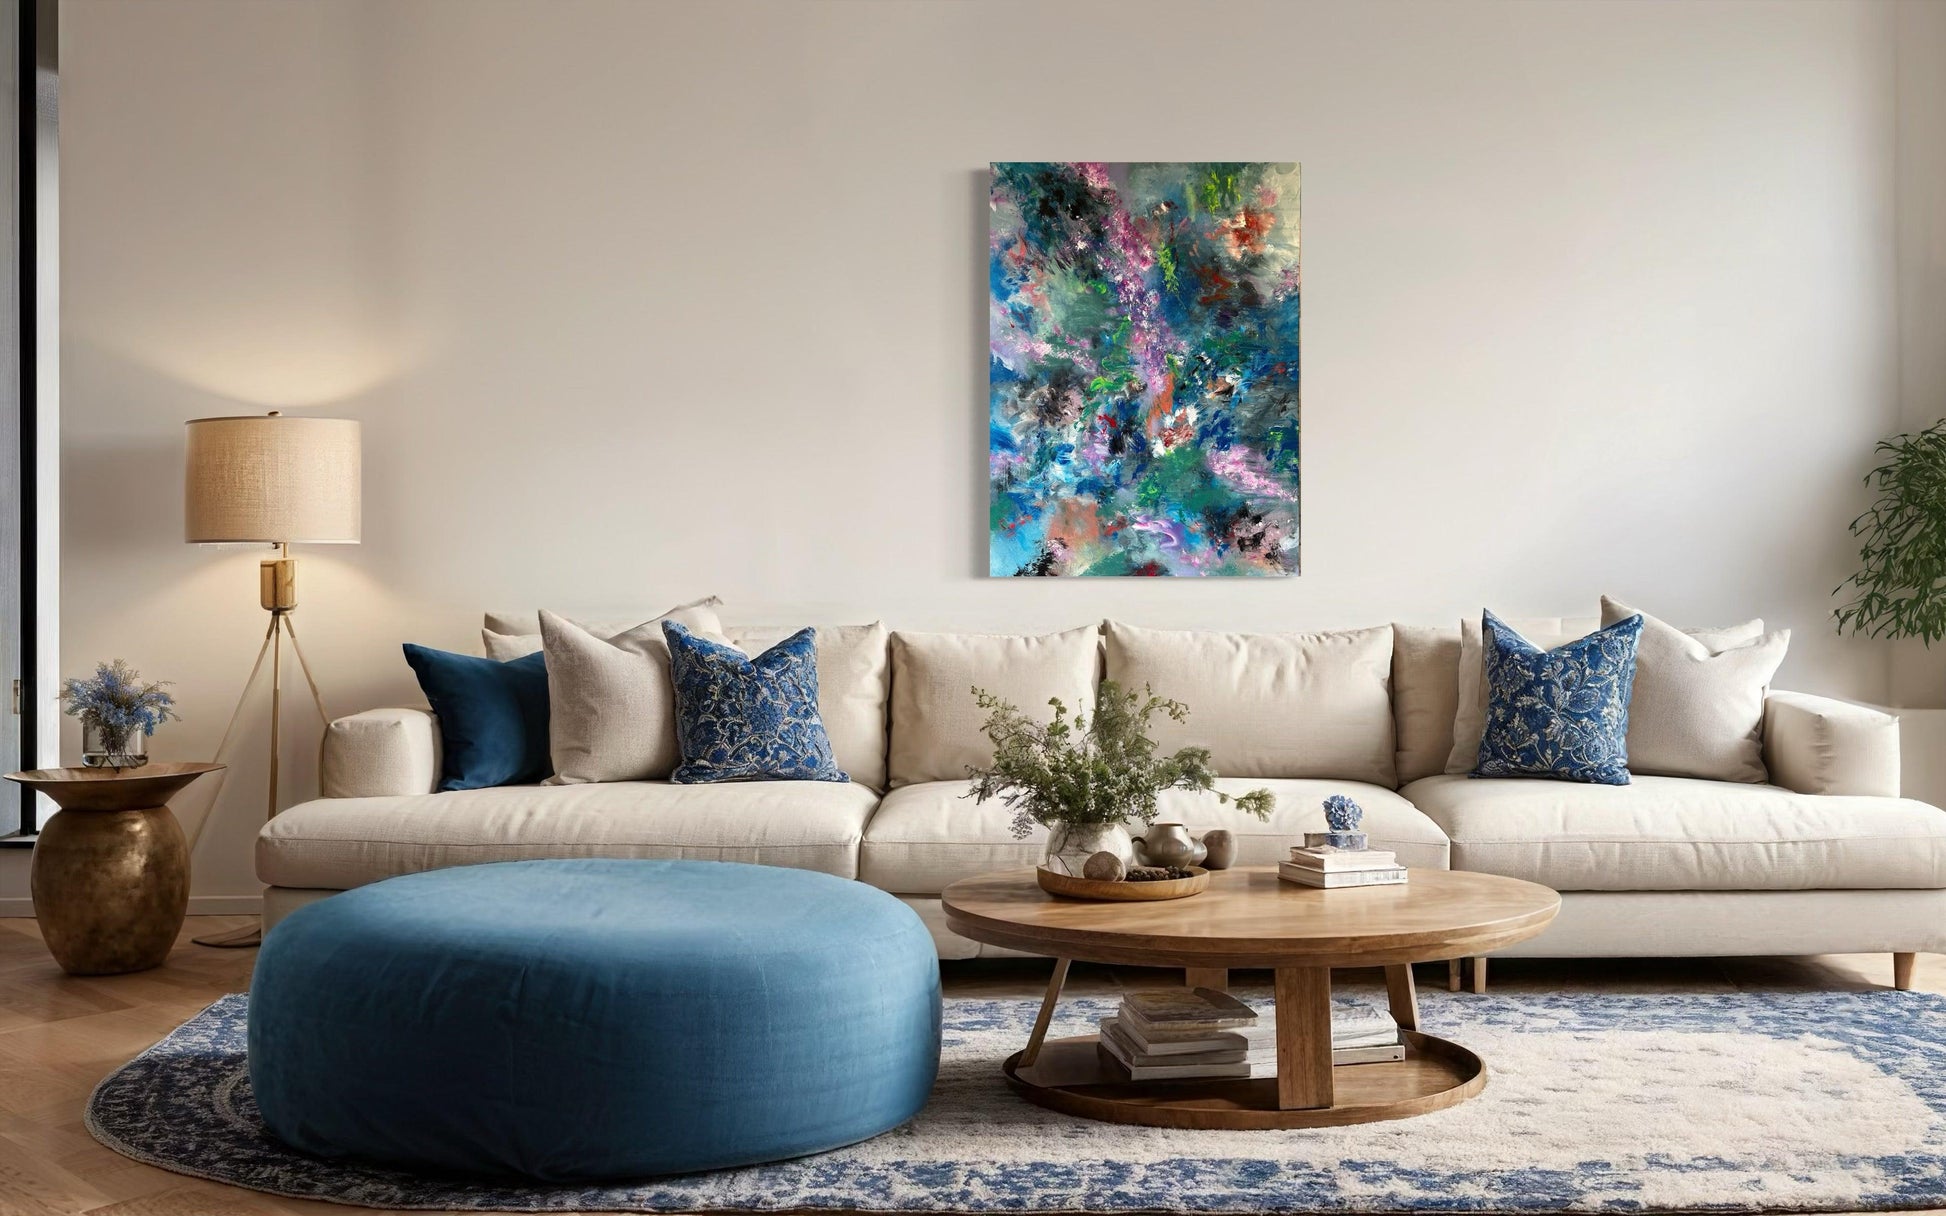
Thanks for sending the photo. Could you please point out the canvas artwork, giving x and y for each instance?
(1144, 369)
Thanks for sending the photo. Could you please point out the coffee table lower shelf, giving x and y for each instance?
(1074, 1077)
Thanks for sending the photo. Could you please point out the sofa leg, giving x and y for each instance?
(1453, 966)
(1902, 971)
(1480, 974)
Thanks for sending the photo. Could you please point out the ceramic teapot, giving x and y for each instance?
(1168, 844)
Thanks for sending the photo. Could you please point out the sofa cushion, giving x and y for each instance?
(1683, 834)
(935, 723)
(927, 836)
(611, 703)
(1269, 704)
(1425, 697)
(340, 843)
(1698, 709)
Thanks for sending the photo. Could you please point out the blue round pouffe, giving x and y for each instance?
(593, 1019)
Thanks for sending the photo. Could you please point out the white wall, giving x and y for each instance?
(640, 301)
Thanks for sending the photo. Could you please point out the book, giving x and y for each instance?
(1307, 877)
(1337, 860)
(1252, 1065)
(1354, 1023)
(1187, 1009)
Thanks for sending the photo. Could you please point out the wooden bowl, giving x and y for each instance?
(1124, 891)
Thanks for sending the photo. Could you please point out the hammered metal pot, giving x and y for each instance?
(110, 873)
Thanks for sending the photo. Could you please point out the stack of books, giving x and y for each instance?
(1328, 867)
(1180, 1033)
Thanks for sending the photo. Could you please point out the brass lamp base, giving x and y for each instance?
(277, 592)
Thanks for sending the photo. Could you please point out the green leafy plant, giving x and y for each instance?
(1078, 771)
(1901, 581)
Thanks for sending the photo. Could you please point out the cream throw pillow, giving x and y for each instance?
(1269, 704)
(935, 724)
(1698, 707)
(611, 704)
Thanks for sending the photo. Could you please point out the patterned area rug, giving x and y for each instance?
(1595, 1103)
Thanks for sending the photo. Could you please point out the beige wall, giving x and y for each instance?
(645, 300)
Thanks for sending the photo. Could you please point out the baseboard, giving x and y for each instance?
(199, 905)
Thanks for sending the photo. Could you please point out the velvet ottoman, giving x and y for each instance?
(594, 1019)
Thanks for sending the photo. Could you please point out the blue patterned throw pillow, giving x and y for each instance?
(1560, 713)
(745, 719)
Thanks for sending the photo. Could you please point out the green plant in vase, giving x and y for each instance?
(1900, 587)
(118, 712)
(1086, 778)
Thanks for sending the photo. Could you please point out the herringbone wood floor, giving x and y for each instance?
(60, 1035)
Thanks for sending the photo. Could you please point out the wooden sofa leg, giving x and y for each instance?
(1902, 971)
(1480, 974)
(1453, 974)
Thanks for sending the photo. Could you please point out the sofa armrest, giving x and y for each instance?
(380, 752)
(1819, 745)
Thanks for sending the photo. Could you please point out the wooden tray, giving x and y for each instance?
(1124, 891)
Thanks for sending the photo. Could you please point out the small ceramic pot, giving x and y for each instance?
(1220, 847)
(1069, 848)
(1168, 844)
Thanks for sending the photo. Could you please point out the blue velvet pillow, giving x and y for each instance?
(1560, 713)
(745, 719)
(492, 716)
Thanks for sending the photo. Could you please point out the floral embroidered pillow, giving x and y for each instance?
(1560, 713)
(748, 719)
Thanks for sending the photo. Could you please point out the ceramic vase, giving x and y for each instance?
(1070, 846)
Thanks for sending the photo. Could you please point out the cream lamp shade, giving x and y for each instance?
(272, 478)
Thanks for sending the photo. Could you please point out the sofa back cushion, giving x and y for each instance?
(1425, 697)
(935, 724)
(853, 675)
(1289, 705)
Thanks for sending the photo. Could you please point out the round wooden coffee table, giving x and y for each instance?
(1250, 918)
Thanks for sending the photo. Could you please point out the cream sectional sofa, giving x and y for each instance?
(1826, 857)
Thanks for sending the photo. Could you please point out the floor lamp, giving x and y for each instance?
(282, 481)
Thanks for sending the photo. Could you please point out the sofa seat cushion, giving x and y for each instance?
(1684, 834)
(340, 843)
(927, 836)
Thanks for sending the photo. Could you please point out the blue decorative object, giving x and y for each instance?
(1560, 713)
(1342, 814)
(745, 719)
(1806, 1130)
(492, 716)
(593, 1018)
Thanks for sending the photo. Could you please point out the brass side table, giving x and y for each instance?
(111, 871)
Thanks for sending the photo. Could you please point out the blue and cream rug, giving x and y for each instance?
(1595, 1103)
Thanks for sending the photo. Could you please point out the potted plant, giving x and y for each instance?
(1901, 581)
(118, 713)
(1087, 778)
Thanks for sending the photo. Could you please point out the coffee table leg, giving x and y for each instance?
(1206, 977)
(1054, 985)
(1403, 995)
(1303, 1038)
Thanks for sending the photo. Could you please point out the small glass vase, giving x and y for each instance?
(1070, 846)
(112, 747)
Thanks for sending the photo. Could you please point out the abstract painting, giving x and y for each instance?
(1143, 370)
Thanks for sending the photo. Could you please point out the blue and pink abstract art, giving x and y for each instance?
(1144, 369)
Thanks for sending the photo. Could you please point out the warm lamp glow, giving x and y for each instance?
(272, 478)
